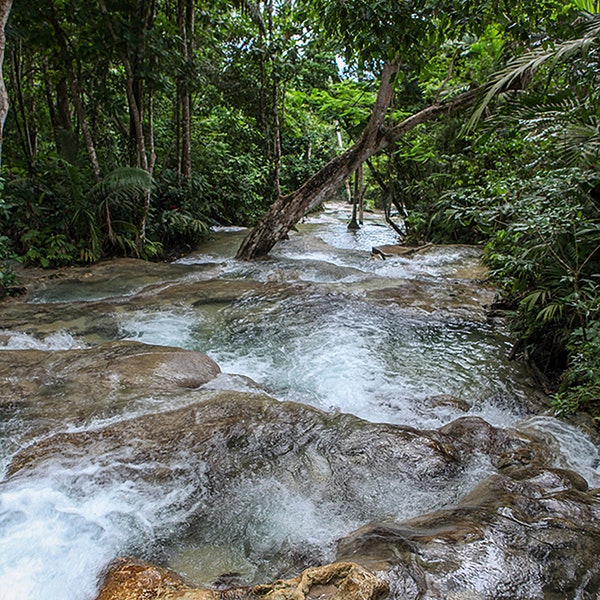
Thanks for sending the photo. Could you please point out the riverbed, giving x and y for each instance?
(324, 323)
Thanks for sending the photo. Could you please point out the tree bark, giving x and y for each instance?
(26, 132)
(135, 92)
(5, 6)
(287, 210)
(276, 141)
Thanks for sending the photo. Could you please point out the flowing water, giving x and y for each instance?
(321, 322)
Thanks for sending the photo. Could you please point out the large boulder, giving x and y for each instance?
(100, 370)
(235, 434)
(112, 372)
(48, 390)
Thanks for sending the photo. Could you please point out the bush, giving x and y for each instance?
(580, 389)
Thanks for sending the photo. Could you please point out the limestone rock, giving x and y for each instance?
(527, 533)
(528, 529)
(132, 579)
(52, 388)
(101, 369)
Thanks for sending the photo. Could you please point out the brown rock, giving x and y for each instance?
(132, 579)
(529, 532)
(101, 370)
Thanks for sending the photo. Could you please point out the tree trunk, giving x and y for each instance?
(134, 94)
(62, 104)
(356, 199)
(81, 116)
(185, 19)
(276, 140)
(23, 124)
(151, 144)
(340, 141)
(288, 210)
(5, 6)
(360, 192)
(77, 97)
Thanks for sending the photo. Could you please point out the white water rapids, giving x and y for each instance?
(333, 342)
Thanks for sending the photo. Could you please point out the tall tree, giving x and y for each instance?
(185, 25)
(76, 93)
(392, 27)
(5, 6)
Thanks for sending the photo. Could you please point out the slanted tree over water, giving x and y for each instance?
(400, 39)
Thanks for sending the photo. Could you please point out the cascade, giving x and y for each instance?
(218, 417)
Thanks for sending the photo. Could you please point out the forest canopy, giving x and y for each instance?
(133, 126)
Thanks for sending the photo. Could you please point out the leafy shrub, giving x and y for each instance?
(7, 275)
(580, 389)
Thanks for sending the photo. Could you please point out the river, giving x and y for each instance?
(324, 323)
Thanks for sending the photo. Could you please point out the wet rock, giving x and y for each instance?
(527, 533)
(446, 401)
(52, 388)
(131, 579)
(210, 454)
(523, 532)
(456, 298)
(107, 279)
(231, 434)
(100, 371)
(505, 448)
(235, 433)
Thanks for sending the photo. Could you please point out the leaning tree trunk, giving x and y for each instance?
(5, 6)
(286, 211)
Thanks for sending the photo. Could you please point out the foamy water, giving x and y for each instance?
(59, 530)
(321, 345)
(60, 340)
(344, 354)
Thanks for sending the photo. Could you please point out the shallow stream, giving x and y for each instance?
(322, 322)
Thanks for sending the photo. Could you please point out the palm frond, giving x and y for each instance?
(568, 122)
(581, 141)
(522, 69)
(122, 180)
(252, 9)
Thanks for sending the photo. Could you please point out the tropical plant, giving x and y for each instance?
(7, 275)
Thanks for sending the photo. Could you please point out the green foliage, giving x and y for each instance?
(7, 275)
(543, 248)
(580, 389)
(180, 228)
(56, 218)
(526, 185)
(546, 56)
(119, 197)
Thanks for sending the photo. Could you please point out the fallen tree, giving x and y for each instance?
(287, 210)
